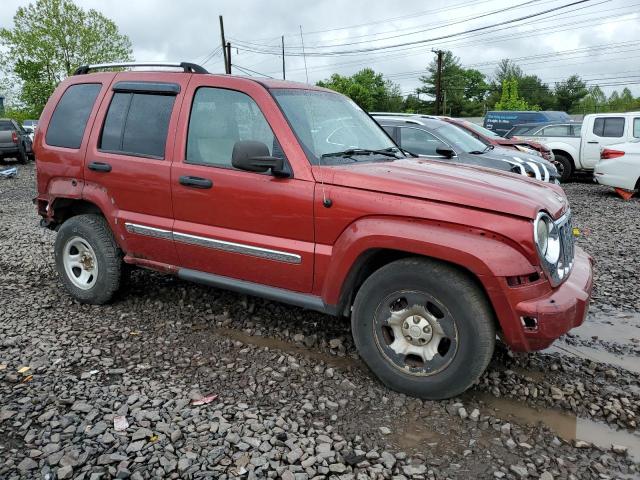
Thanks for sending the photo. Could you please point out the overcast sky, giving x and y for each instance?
(597, 39)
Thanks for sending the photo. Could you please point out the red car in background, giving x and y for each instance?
(488, 137)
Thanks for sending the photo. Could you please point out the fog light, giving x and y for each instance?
(530, 324)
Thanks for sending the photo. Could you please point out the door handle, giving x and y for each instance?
(99, 167)
(195, 182)
(593, 142)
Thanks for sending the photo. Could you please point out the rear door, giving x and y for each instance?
(129, 155)
(602, 132)
(243, 225)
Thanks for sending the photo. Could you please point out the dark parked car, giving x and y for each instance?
(503, 121)
(437, 139)
(14, 141)
(485, 135)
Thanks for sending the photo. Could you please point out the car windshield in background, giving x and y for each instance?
(327, 123)
(459, 138)
(481, 130)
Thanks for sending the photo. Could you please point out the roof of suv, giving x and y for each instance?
(191, 68)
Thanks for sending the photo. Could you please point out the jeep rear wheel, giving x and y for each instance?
(424, 328)
(88, 259)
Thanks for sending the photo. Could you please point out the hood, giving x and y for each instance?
(440, 181)
(524, 143)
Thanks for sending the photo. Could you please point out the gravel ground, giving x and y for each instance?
(293, 399)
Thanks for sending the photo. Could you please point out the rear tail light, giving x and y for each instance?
(14, 137)
(608, 153)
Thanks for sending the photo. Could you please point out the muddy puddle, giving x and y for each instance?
(288, 347)
(565, 426)
(628, 362)
(614, 327)
(617, 327)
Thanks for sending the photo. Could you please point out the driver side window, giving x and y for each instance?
(220, 118)
(420, 142)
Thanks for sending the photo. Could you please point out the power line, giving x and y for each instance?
(419, 42)
(248, 71)
(523, 34)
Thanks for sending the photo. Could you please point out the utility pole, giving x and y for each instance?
(229, 58)
(439, 82)
(224, 51)
(284, 77)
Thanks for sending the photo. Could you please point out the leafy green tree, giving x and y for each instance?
(463, 90)
(49, 40)
(530, 87)
(413, 104)
(507, 70)
(595, 101)
(535, 92)
(368, 89)
(510, 100)
(569, 93)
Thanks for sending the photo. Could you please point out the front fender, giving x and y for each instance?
(485, 254)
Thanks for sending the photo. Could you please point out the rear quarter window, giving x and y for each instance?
(69, 120)
(611, 127)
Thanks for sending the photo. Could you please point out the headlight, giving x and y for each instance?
(547, 238)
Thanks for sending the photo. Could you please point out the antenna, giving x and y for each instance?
(304, 56)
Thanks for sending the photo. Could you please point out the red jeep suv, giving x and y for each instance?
(293, 193)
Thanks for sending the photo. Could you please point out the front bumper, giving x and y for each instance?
(536, 323)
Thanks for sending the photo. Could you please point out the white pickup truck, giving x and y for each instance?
(576, 153)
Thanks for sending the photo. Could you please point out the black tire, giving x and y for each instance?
(94, 231)
(22, 157)
(451, 293)
(564, 166)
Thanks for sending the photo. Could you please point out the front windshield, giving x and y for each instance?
(459, 138)
(481, 130)
(326, 123)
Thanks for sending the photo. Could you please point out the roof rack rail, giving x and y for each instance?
(186, 66)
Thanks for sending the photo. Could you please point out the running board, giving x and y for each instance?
(310, 302)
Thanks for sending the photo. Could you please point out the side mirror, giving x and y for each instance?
(446, 152)
(254, 156)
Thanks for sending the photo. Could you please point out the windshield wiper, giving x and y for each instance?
(361, 151)
(480, 152)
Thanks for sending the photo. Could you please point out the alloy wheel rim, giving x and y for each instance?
(80, 263)
(415, 333)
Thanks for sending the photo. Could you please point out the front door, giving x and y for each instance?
(244, 225)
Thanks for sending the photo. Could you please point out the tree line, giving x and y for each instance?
(467, 92)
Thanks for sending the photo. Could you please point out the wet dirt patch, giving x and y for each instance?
(568, 427)
(598, 355)
(345, 363)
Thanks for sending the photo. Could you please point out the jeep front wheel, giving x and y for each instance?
(88, 259)
(424, 328)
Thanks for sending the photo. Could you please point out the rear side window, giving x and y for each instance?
(557, 131)
(609, 127)
(69, 120)
(636, 127)
(137, 124)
